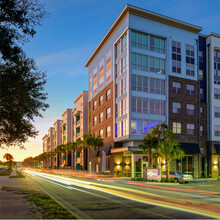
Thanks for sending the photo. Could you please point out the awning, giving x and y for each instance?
(217, 148)
(190, 148)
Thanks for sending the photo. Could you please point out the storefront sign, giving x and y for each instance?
(153, 174)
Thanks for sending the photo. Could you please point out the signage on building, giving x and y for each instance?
(153, 174)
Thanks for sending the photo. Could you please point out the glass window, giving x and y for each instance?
(201, 74)
(108, 131)
(176, 128)
(190, 89)
(217, 93)
(157, 65)
(200, 56)
(108, 67)
(201, 93)
(176, 87)
(101, 133)
(139, 83)
(108, 113)
(216, 67)
(139, 105)
(157, 44)
(190, 60)
(139, 40)
(101, 100)
(176, 107)
(176, 57)
(94, 105)
(101, 117)
(157, 107)
(108, 94)
(157, 86)
(190, 129)
(217, 130)
(139, 61)
(201, 112)
(133, 126)
(94, 120)
(190, 109)
(217, 112)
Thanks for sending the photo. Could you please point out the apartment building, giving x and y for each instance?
(151, 56)
(45, 148)
(79, 128)
(57, 141)
(213, 95)
(66, 136)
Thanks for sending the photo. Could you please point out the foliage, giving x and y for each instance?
(21, 83)
(47, 206)
(148, 144)
(8, 157)
(6, 172)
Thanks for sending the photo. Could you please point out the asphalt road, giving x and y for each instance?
(103, 199)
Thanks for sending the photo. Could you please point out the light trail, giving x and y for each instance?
(183, 206)
(164, 187)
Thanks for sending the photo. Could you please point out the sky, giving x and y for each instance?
(71, 33)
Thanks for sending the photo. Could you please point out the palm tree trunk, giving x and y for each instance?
(149, 158)
(168, 170)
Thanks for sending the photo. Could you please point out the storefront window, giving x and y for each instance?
(127, 166)
(137, 166)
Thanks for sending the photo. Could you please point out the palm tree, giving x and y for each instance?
(8, 157)
(149, 143)
(169, 150)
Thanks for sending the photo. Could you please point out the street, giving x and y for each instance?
(90, 198)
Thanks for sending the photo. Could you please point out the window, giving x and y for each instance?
(121, 46)
(133, 126)
(200, 74)
(101, 74)
(94, 105)
(153, 124)
(217, 112)
(217, 93)
(139, 83)
(176, 57)
(95, 81)
(101, 117)
(201, 112)
(108, 94)
(201, 93)
(176, 128)
(121, 107)
(145, 126)
(157, 107)
(157, 86)
(121, 66)
(176, 107)
(176, 87)
(217, 130)
(200, 56)
(108, 131)
(100, 100)
(157, 65)
(101, 133)
(190, 129)
(94, 120)
(121, 87)
(139, 61)
(108, 67)
(201, 131)
(157, 44)
(190, 89)
(217, 67)
(139, 40)
(190, 109)
(190, 60)
(118, 68)
(123, 127)
(139, 105)
(124, 64)
(108, 113)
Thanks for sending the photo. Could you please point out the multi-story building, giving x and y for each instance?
(213, 99)
(79, 128)
(66, 136)
(45, 148)
(154, 79)
(57, 137)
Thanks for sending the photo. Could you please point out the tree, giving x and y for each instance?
(170, 149)
(8, 157)
(149, 143)
(21, 83)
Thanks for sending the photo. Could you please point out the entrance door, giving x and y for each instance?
(144, 169)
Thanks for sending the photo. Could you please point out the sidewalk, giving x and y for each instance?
(15, 206)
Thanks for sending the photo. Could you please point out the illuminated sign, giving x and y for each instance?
(153, 174)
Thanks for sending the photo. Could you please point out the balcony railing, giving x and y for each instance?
(78, 122)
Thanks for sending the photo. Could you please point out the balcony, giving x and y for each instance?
(78, 135)
(77, 122)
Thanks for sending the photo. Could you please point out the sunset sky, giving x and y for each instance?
(71, 33)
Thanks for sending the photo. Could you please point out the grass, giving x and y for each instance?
(47, 206)
(19, 175)
(5, 172)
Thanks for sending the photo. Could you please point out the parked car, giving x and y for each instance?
(179, 177)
